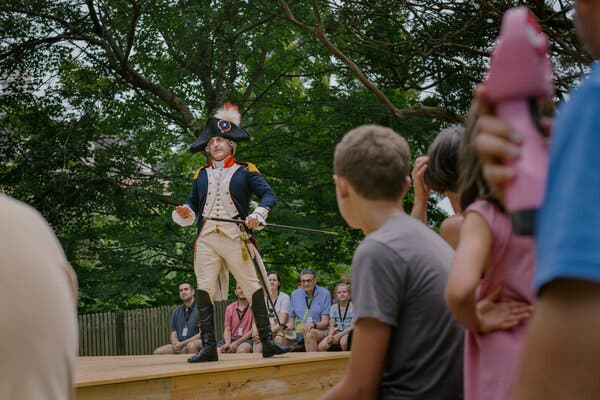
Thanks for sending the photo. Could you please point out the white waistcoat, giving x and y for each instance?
(219, 202)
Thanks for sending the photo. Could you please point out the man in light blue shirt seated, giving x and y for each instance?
(309, 311)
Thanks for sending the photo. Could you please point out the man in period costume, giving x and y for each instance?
(222, 189)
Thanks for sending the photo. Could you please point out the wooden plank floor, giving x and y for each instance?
(239, 376)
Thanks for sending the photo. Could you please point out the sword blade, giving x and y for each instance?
(295, 228)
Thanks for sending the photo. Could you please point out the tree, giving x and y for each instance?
(102, 152)
(423, 46)
(101, 99)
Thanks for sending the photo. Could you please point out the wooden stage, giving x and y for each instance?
(234, 376)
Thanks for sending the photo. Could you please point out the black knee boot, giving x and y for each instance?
(208, 352)
(261, 316)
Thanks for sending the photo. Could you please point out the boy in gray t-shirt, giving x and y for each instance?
(406, 344)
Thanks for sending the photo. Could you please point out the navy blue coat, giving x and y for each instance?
(246, 181)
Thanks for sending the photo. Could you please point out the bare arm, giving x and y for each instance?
(244, 337)
(450, 230)
(291, 322)
(470, 261)
(331, 332)
(195, 337)
(174, 338)
(421, 191)
(177, 345)
(283, 317)
(493, 314)
(335, 339)
(240, 340)
(331, 325)
(363, 376)
(324, 323)
(344, 332)
(226, 339)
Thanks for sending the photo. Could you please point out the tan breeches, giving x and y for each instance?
(215, 255)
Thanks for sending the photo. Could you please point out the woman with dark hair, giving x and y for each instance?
(438, 171)
(278, 305)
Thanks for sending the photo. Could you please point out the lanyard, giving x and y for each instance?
(345, 312)
(187, 312)
(241, 313)
(274, 303)
(309, 301)
(271, 309)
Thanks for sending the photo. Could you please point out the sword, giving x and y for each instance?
(295, 228)
(246, 243)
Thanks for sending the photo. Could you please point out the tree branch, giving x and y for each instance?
(417, 110)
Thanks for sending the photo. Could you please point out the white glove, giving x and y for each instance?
(260, 213)
(183, 221)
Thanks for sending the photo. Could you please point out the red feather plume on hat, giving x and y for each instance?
(229, 112)
(225, 123)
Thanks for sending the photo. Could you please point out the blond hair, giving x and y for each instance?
(340, 285)
(375, 160)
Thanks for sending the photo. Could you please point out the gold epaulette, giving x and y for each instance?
(250, 167)
(198, 172)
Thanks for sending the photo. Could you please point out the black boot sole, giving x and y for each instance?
(206, 357)
(279, 350)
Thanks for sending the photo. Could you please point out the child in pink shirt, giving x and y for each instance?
(489, 259)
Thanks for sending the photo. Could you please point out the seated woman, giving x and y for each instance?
(278, 304)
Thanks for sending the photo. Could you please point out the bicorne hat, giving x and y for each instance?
(225, 123)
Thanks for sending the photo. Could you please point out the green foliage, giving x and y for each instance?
(100, 101)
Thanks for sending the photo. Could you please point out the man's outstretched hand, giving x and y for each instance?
(183, 211)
